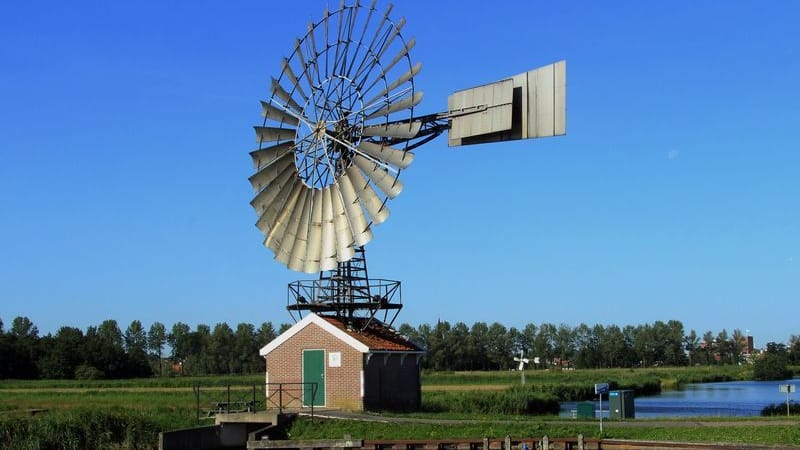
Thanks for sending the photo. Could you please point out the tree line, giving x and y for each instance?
(105, 351)
(492, 347)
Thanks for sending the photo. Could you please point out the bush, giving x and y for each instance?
(79, 430)
(518, 400)
(771, 367)
(87, 372)
(779, 409)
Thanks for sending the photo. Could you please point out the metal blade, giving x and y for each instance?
(403, 78)
(298, 253)
(328, 251)
(287, 69)
(388, 183)
(278, 90)
(269, 173)
(375, 207)
(396, 130)
(355, 215)
(393, 156)
(266, 196)
(344, 235)
(405, 103)
(314, 245)
(269, 155)
(299, 52)
(277, 114)
(268, 218)
(283, 249)
(264, 134)
(277, 233)
(399, 56)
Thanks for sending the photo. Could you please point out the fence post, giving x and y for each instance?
(485, 443)
(280, 398)
(228, 403)
(254, 398)
(581, 445)
(197, 402)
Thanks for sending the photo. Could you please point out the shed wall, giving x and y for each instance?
(343, 384)
(392, 382)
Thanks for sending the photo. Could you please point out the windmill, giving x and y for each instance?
(338, 129)
(522, 360)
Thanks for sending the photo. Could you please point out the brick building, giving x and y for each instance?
(371, 369)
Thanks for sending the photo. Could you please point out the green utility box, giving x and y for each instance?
(620, 405)
(585, 410)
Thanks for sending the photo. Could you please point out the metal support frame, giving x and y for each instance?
(347, 293)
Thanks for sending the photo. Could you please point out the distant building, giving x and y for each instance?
(371, 369)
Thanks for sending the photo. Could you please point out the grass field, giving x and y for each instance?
(137, 409)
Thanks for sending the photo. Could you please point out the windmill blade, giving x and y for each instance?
(355, 215)
(386, 182)
(269, 173)
(287, 69)
(397, 58)
(376, 209)
(405, 103)
(277, 114)
(410, 73)
(328, 248)
(274, 134)
(267, 196)
(276, 235)
(299, 52)
(288, 226)
(393, 156)
(268, 218)
(314, 244)
(266, 156)
(344, 235)
(298, 253)
(278, 90)
(405, 130)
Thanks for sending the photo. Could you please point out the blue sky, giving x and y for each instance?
(126, 128)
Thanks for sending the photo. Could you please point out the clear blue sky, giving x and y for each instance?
(125, 129)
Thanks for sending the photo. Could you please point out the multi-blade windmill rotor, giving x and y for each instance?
(338, 129)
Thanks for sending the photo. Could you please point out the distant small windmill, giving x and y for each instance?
(522, 360)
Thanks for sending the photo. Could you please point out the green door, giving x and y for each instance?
(314, 372)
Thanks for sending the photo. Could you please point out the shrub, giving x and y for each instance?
(779, 409)
(87, 372)
(518, 400)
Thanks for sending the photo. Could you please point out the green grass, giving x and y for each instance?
(133, 411)
(671, 376)
(303, 428)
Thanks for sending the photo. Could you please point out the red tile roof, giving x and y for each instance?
(377, 335)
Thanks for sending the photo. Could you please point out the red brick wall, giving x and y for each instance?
(342, 384)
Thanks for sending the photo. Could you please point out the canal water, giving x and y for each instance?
(726, 399)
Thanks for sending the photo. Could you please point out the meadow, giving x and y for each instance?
(129, 413)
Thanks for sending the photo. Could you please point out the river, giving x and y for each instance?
(726, 399)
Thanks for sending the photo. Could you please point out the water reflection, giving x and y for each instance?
(728, 399)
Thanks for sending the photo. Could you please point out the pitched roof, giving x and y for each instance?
(376, 337)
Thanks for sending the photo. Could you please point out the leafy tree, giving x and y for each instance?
(477, 346)
(136, 348)
(23, 338)
(692, 345)
(266, 333)
(283, 328)
(245, 350)
(180, 341)
(62, 354)
(104, 349)
(773, 364)
(156, 338)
